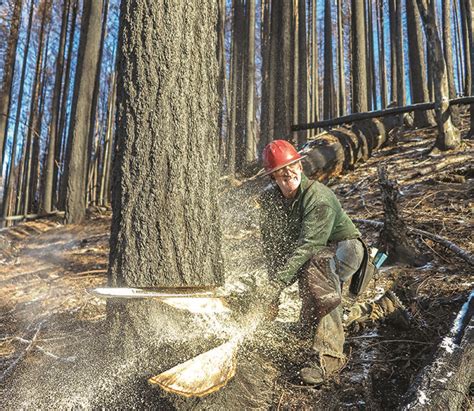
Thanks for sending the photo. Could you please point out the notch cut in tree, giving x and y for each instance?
(393, 237)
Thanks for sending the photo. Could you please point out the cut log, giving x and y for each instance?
(444, 384)
(341, 149)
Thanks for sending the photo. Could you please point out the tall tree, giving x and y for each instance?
(393, 49)
(165, 226)
(448, 55)
(416, 57)
(314, 62)
(401, 91)
(448, 135)
(340, 62)
(381, 37)
(58, 157)
(49, 166)
(329, 101)
(470, 20)
(302, 88)
(359, 67)
(87, 62)
(250, 124)
(7, 81)
(282, 54)
(466, 16)
(12, 169)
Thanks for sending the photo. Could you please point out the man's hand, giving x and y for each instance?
(272, 299)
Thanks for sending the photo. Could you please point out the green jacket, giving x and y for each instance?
(293, 230)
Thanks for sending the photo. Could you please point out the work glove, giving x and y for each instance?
(272, 299)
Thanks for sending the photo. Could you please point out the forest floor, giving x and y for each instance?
(48, 320)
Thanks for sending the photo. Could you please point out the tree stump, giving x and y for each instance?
(393, 237)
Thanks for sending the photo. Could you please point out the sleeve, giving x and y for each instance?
(317, 224)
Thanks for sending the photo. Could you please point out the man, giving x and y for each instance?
(307, 237)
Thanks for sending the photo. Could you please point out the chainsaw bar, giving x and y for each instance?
(158, 292)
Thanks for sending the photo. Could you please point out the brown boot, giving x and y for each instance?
(317, 371)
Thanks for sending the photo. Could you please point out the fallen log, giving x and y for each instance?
(460, 252)
(444, 384)
(350, 118)
(342, 148)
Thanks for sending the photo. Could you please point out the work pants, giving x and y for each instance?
(320, 291)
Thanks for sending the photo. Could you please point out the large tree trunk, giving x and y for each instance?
(165, 226)
(7, 81)
(359, 68)
(87, 62)
(448, 135)
(416, 56)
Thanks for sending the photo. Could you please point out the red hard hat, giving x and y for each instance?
(279, 154)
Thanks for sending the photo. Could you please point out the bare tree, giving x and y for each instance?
(448, 135)
(7, 81)
(76, 162)
(359, 68)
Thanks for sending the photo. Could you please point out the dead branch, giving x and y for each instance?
(460, 252)
(12, 366)
(46, 352)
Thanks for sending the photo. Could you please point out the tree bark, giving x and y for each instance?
(165, 225)
(416, 56)
(87, 62)
(359, 68)
(448, 135)
(7, 81)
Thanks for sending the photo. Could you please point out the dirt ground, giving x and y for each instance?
(48, 321)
